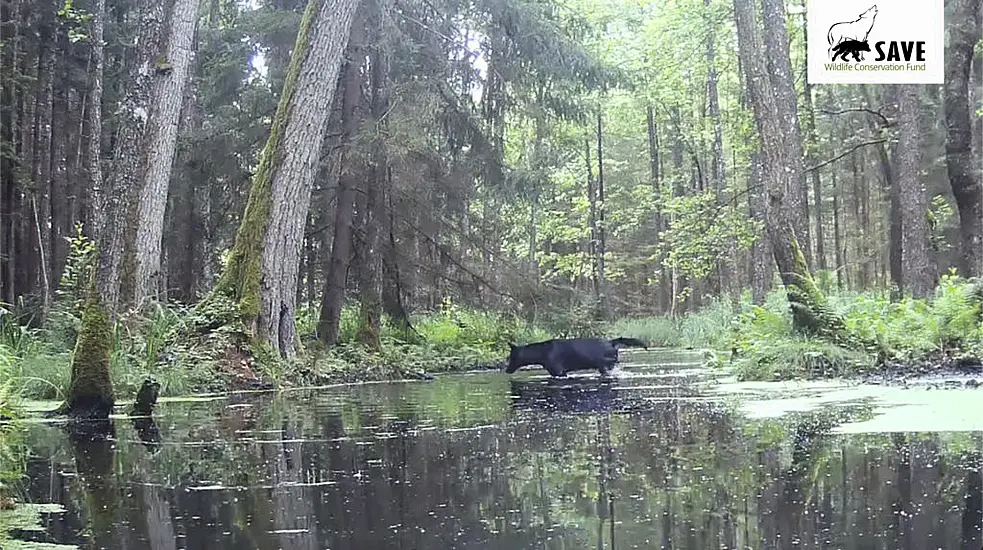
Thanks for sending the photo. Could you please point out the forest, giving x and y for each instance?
(221, 193)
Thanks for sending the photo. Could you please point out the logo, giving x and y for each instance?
(850, 37)
(890, 42)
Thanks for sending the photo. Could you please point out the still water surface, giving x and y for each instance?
(652, 459)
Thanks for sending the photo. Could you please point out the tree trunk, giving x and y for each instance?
(812, 147)
(41, 172)
(24, 271)
(261, 274)
(9, 11)
(601, 240)
(200, 273)
(61, 213)
(392, 281)
(165, 118)
(895, 236)
(862, 193)
(964, 31)
(778, 138)
(917, 268)
(762, 263)
(129, 155)
(837, 233)
(336, 274)
(655, 175)
(976, 91)
(91, 392)
(725, 265)
(93, 112)
(369, 264)
(594, 232)
(676, 307)
(776, 46)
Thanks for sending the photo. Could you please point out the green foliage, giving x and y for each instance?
(77, 21)
(703, 232)
(657, 331)
(769, 349)
(452, 338)
(932, 332)
(940, 215)
(711, 327)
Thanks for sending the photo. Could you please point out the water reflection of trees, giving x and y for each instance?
(681, 474)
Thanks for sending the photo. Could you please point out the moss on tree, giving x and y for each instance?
(90, 394)
(240, 280)
(811, 313)
(369, 327)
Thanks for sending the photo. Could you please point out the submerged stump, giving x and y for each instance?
(146, 398)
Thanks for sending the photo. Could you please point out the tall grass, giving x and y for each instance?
(709, 327)
(35, 363)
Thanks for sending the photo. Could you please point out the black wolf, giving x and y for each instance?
(561, 356)
(847, 47)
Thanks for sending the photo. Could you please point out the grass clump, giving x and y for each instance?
(707, 328)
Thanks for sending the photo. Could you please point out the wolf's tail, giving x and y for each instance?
(628, 342)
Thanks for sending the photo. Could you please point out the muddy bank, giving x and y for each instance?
(938, 369)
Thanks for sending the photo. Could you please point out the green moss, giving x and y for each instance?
(810, 312)
(91, 390)
(240, 279)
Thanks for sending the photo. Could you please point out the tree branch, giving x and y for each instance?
(884, 120)
(845, 153)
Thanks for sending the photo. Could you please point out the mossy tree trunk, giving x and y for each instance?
(91, 391)
(261, 275)
(775, 136)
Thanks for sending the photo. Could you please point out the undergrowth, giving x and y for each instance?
(758, 341)
(189, 350)
(163, 342)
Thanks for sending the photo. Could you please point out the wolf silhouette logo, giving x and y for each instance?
(852, 35)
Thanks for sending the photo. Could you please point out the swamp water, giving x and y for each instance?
(667, 455)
